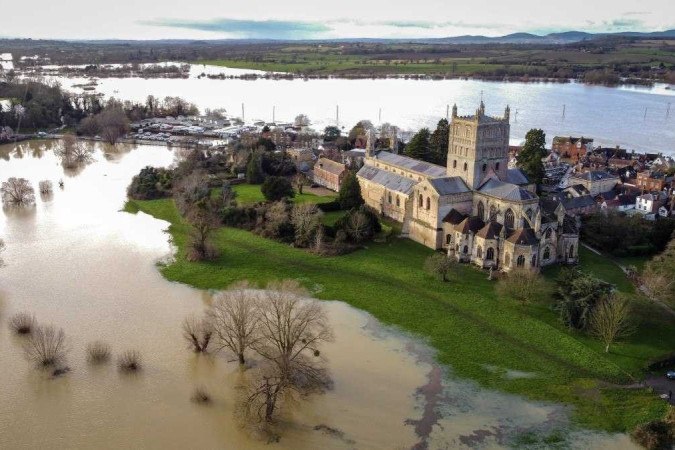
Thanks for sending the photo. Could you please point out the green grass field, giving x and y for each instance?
(248, 194)
(464, 320)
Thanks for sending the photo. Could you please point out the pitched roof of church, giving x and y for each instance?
(490, 231)
(449, 185)
(471, 223)
(412, 164)
(506, 191)
(390, 180)
(523, 236)
(516, 176)
(454, 217)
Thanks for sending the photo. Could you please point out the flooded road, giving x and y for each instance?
(76, 261)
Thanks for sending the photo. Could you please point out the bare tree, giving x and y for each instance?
(198, 333)
(301, 120)
(204, 218)
(129, 361)
(47, 346)
(73, 152)
(306, 218)
(45, 187)
(358, 226)
(611, 319)
(234, 320)
(113, 123)
(439, 265)
(22, 323)
(523, 285)
(291, 331)
(17, 191)
(299, 180)
(98, 352)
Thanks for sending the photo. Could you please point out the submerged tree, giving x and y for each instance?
(197, 332)
(234, 319)
(18, 192)
(73, 152)
(291, 331)
(47, 346)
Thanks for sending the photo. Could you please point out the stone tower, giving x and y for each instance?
(478, 146)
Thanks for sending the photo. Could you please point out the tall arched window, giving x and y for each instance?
(528, 213)
(421, 201)
(549, 232)
(454, 164)
(466, 249)
(484, 167)
(547, 253)
(448, 239)
(490, 254)
(509, 218)
(534, 260)
(520, 262)
(479, 252)
(481, 210)
(493, 212)
(571, 252)
(428, 203)
(398, 201)
(497, 166)
(389, 198)
(465, 167)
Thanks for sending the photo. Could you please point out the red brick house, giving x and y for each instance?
(572, 147)
(329, 173)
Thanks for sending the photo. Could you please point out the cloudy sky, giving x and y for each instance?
(317, 19)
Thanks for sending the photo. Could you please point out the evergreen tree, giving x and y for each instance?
(530, 157)
(276, 188)
(350, 192)
(419, 147)
(254, 172)
(439, 143)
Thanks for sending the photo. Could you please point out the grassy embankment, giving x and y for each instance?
(464, 320)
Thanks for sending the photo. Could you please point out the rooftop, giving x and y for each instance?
(390, 180)
(449, 185)
(506, 191)
(330, 166)
(593, 175)
(412, 164)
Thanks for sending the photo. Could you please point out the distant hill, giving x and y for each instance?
(565, 37)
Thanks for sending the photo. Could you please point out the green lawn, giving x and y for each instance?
(464, 320)
(248, 194)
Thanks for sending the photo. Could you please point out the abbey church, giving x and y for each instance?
(476, 208)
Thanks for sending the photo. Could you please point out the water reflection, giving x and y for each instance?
(78, 262)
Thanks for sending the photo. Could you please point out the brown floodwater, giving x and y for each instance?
(77, 261)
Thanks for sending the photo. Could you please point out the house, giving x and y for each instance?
(663, 163)
(650, 203)
(329, 173)
(475, 207)
(595, 181)
(573, 148)
(665, 211)
(302, 157)
(652, 180)
(621, 203)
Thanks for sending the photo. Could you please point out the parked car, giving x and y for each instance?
(670, 374)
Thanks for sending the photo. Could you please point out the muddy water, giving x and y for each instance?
(77, 261)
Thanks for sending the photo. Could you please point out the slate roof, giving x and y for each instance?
(506, 191)
(448, 185)
(454, 217)
(472, 223)
(593, 175)
(412, 164)
(387, 179)
(570, 225)
(330, 166)
(516, 176)
(490, 231)
(523, 236)
(578, 202)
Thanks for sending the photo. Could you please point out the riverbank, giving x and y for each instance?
(477, 335)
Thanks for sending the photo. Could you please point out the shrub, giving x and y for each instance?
(129, 361)
(654, 435)
(22, 323)
(330, 206)
(200, 396)
(350, 192)
(276, 188)
(46, 346)
(150, 183)
(98, 352)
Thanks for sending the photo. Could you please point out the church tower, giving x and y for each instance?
(478, 146)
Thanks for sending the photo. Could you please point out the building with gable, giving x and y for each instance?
(475, 208)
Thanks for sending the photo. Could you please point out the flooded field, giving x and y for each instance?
(76, 261)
